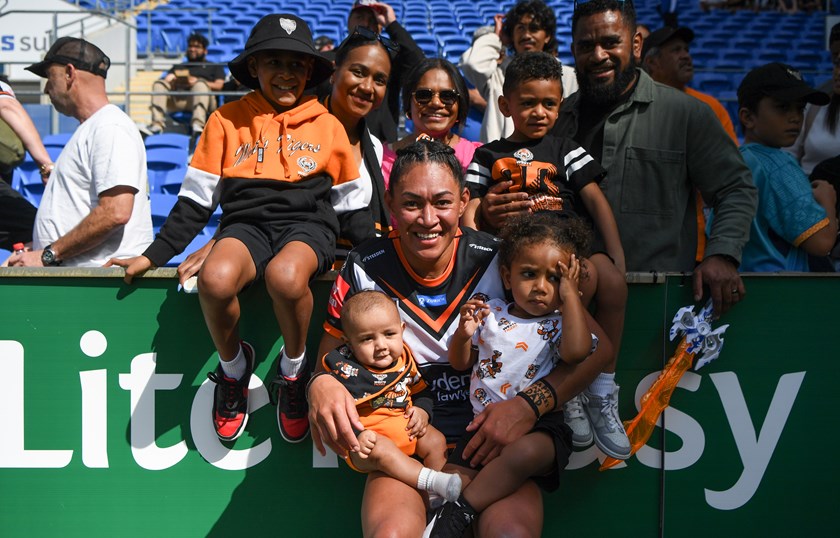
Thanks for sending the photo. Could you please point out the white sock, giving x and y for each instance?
(603, 385)
(446, 485)
(291, 366)
(235, 368)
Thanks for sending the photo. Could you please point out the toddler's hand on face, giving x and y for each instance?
(570, 278)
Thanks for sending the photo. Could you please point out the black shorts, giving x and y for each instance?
(264, 241)
(555, 426)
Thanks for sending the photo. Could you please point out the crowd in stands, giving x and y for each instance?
(525, 234)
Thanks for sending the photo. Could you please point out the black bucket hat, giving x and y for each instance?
(280, 31)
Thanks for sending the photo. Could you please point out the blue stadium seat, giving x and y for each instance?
(168, 140)
(161, 205)
(713, 83)
(472, 127)
(167, 167)
(55, 143)
(27, 180)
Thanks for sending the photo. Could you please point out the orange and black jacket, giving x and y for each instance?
(264, 167)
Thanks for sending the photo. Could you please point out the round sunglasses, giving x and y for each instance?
(424, 96)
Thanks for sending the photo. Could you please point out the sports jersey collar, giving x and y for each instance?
(427, 282)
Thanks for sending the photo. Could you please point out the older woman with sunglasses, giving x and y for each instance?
(435, 99)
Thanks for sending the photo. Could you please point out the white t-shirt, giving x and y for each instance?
(106, 151)
(818, 143)
(513, 353)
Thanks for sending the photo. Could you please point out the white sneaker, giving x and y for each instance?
(607, 428)
(576, 420)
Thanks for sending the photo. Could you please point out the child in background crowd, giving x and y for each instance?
(795, 217)
(379, 371)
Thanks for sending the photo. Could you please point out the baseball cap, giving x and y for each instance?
(781, 82)
(663, 35)
(84, 56)
(369, 4)
(280, 31)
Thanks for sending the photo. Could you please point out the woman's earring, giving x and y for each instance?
(408, 115)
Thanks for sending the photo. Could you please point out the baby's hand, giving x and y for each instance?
(570, 277)
(367, 440)
(472, 312)
(418, 420)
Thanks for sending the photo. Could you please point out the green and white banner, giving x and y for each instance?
(106, 421)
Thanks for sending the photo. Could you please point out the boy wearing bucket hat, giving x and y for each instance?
(282, 168)
(795, 218)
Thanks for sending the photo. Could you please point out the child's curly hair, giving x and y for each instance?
(525, 230)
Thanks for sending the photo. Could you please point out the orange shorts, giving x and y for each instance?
(391, 423)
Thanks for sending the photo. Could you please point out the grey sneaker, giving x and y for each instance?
(576, 420)
(607, 429)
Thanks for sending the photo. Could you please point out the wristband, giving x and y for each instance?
(530, 402)
(541, 397)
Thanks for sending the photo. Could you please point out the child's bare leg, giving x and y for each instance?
(431, 448)
(227, 269)
(378, 453)
(610, 302)
(530, 455)
(287, 281)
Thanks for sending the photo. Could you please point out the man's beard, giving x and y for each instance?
(609, 94)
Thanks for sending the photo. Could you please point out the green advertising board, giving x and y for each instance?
(107, 426)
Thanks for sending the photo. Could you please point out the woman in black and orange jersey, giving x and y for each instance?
(430, 266)
(362, 68)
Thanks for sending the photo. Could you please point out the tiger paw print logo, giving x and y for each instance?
(548, 328)
(532, 371)
(307, 165)
(523, 156)
(346, 370)
(481, 396)
(490, 367)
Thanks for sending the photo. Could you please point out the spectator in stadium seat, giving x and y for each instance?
(529, 25)
(96, 203)
(659, 147)
(666, 58)
(196, 76)
(820, 136)
(379, 17)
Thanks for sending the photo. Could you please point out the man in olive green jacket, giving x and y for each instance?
(660, 148)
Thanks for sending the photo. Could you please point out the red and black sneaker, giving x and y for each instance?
(230, 398)
(292, 407)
